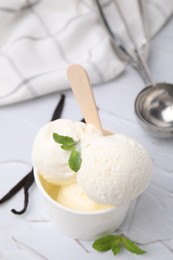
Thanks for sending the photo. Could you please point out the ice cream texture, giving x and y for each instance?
(72, 196)
(114, 170)
(48, 158)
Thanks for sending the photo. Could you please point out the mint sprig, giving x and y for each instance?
(116, 243)
(68, 143)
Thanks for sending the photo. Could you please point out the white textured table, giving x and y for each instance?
(150, 220)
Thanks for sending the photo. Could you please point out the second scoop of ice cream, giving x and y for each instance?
(114, 169)
(72, 196)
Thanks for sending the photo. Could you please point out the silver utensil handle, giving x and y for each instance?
(138, 61)
(141, 65)
(115, 39)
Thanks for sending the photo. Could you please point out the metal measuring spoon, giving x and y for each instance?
(154, 104)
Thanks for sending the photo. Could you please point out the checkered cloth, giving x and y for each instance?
(40, 38)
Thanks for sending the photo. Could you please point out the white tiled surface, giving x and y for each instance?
(150, 221)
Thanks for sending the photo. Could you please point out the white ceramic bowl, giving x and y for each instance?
(82, 225)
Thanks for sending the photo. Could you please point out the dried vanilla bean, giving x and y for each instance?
(28, 180)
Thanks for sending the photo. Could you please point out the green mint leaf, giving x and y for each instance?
(68, 143)
(67, 146)
(75, 160)
(104, 243)
(131, 246)
(116, 248)
(64, 140)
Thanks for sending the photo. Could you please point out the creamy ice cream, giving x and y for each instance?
(114, 169)
(72, 196)
(48, 158)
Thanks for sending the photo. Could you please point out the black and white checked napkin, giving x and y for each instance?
(40, 38)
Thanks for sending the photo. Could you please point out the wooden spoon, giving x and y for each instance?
(82, 90)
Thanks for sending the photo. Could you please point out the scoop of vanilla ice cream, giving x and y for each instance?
(114, 169)
(50, 161)
(72, 196)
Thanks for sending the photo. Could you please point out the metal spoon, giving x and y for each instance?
(154, 104)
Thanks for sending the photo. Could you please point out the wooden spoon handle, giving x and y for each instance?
(82, 90)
